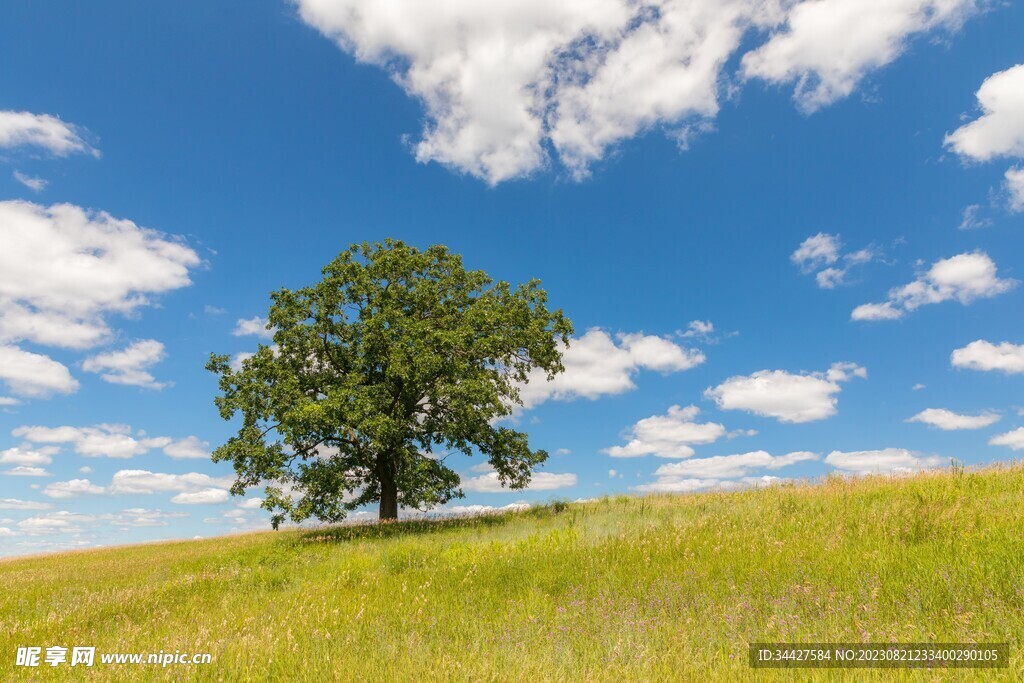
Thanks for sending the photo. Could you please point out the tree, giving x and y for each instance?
(394, 355)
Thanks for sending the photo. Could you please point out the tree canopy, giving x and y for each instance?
(396, 358)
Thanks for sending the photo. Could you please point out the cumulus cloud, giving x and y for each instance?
(947, 420)
(141, 517)
(816, 251)
(986, 356)
(60, 522)
(72, 489)
(964, 278)
(63, 270)
(829, 46)
(34, 375)
(823, 253)
(672, 435)
(208, 496)
(731, 466)
(999, 131)
(65, 522)
(721, 472)
(20, 455)
(24, 129)
(1013, 439)
(595, 366)
(785, 396)
(540, 481)
(253, 326)
(885, 461)
(678, 484)
(702, 331)
(189, 447)
(145, 482)
(130, 365)
(104, 440)
(503, 82)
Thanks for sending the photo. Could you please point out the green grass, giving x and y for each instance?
(653, 588)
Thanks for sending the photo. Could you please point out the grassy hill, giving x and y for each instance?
(629, 588)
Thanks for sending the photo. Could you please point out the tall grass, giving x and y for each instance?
(660, 588)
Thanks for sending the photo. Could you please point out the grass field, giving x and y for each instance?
(659, 588)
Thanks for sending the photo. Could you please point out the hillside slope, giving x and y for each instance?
(651, 588)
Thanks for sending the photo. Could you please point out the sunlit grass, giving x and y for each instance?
(628, 588)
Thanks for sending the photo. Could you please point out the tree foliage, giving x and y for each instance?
(396, 357)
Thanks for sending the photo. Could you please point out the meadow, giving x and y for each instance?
(654, 588)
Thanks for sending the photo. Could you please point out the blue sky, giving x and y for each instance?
(163, 169)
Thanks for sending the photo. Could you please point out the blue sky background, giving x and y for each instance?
(241, 128)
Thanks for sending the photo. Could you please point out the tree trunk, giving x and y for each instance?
(388, 498)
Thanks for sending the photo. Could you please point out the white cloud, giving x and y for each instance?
(32, 183)
(253, 326)
(829, 46)
(668, 436)
(539, 481)
(677, 484)
(129, 365)
(817, 251)
(72, 489)
(15, 504)
(999, 131)
(1013, 439)
(34, 375)
(596, 366)
(145, 482)
(482, 509)
(22, 128)
(964, 278)
(699, 329)
(64, 268)
(504, 81)
(104, 440)
(785, 396)
(984, 355)
(823, 252)
(141, 517)
(62, 272)
(971, 220)
(20, 455)
(250, 504)
(888, 460)
(24, 471)
(947, 420)
(8, 401)
(731, 466)
(204, 497)
(189, 447)
(60, 522)
(1015, 188)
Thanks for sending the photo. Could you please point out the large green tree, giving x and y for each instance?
(395, 357)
